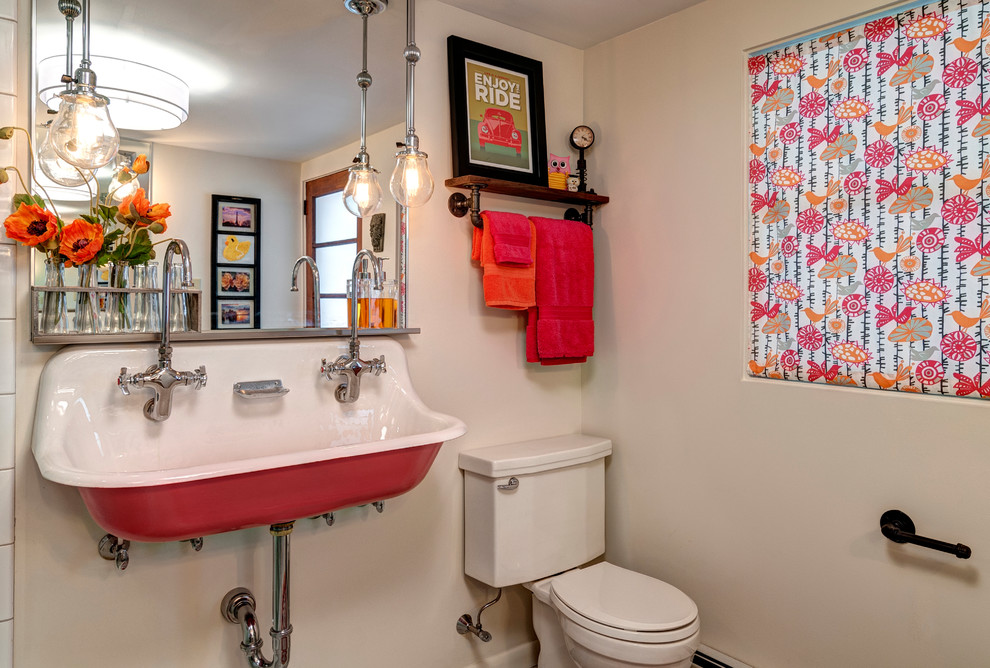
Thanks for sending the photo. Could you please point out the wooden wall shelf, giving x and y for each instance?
(460, 205)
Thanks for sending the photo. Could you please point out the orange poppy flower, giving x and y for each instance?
(81, 241)
(838, 85)
(777, 266)
(31, 225)
(159, 212)
(775, 154)
(837, 205)
(836, 324)
(141, 165)
(134, 205)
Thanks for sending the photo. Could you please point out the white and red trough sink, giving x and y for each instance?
(221, 462)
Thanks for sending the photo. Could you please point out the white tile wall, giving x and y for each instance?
(6, 507)
(8, 63)
(8, 116)
(7, 331)
(8, 265)
(6, 431)
(6, 583)
(7, 644)
(5, 204)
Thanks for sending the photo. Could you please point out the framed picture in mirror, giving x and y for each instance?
(236, 314)
(497, 116)
(236, 259)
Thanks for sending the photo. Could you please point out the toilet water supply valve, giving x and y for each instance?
(465, 625)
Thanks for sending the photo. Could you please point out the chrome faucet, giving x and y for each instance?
(351, 366)
(305, 259)
(162, 377)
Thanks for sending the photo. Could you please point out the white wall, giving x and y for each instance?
(373, 590)
(187, 179)
(760, 499)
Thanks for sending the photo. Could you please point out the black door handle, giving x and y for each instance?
(898, 527)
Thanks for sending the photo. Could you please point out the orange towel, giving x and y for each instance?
(506, 287)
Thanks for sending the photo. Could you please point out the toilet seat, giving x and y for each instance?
(625, 605)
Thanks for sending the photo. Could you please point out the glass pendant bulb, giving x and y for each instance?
(411, 183)
(362, 194)
(123, 184)
(82, 133)
(58, 170)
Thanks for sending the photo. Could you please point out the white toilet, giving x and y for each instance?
(533, 513)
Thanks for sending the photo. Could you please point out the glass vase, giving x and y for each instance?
(53, 311)
(118, 303)
(179, 304)
(87, 303)
(145, 305)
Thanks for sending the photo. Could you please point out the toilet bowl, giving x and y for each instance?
(535, 508)
(605, 616)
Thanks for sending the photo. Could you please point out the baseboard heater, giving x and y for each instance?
(706, 657)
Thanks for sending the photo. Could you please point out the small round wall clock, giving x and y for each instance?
(582, 137)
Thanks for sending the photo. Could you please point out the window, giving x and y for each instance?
(869, 165)
(332, 239)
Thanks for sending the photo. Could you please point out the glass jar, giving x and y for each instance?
(87, 303)
(118, 303)
(178, 302)
(53, 311)
(145, 305)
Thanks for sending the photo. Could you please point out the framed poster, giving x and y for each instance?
(236, 258)
(497, 116)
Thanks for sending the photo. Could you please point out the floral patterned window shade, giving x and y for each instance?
(869, 174)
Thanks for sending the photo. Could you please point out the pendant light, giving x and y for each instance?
(363, 193)
(411, 183)
(51, 164)
(82, 133)
(124, 182)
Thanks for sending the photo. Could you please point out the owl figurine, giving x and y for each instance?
(559, 169)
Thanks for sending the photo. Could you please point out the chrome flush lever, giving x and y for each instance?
(511, 485)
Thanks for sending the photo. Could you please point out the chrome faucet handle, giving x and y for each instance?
(123, 381)
(377, 366)
(199, 377)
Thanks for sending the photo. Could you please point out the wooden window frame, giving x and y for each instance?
(319, 187)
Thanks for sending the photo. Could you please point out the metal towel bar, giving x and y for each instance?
(898, 527)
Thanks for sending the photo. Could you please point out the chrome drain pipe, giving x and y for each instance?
(238, 607)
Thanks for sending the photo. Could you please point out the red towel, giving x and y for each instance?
(505, 286)
(511, 237)
(561, 329)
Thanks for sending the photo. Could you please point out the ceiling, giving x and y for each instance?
(276, 79)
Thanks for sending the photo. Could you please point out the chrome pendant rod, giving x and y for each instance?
(84, 63)
(70, 10)
(412, 55)
(364, 79)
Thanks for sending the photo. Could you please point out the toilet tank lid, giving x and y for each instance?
(534, 456)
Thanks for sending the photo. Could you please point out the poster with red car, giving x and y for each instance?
(498, 125)
(498, 117)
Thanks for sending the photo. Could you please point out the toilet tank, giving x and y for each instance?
(551, 520)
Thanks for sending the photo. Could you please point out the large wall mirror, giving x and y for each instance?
(273, 104)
